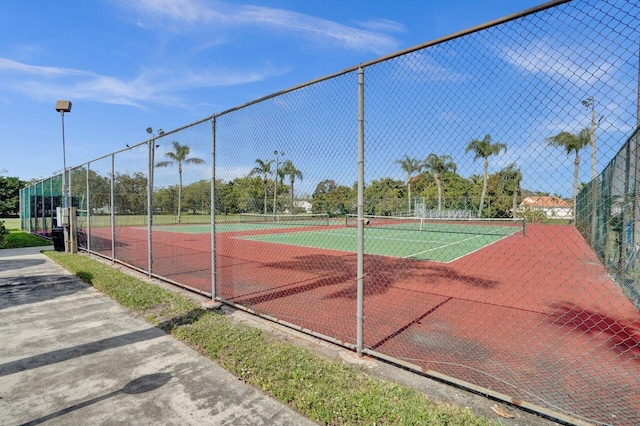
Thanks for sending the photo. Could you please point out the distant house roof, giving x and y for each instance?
(545, 201)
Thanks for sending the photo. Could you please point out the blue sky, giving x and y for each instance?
(130, 64)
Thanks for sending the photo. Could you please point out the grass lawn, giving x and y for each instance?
(17, 238)
(324, 390)
(12, 223)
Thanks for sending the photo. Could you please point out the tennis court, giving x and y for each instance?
(403, 237)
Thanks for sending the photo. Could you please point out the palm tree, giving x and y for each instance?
(288, 169)
(179, 156)
(572, 143)
(263, 169)
(484, 149)
(438, 165)
(511, 177)
(410, 166)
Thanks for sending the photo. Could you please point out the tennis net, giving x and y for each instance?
(479, 226)
(310, 219)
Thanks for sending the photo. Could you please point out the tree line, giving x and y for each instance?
(434, 179)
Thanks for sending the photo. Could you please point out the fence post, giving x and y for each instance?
(44, 224)
(52, 207)
(88, 204)
(360, 260)
(213, 208)
(635, 215)
(152, 148)
(112, 208)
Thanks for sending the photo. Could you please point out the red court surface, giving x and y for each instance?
(534, 317)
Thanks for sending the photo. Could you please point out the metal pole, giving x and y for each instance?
(360, 259)
(52, 207)
(638, 90)
(69, 189)
(112, 208)
(275, 187)
(44, 224)
(213, 208)
(27, 207)
(594, 176)
(88, 242)
(625, 212)
(152, 147)
(635, 216)
(594, 172)
(64, 165)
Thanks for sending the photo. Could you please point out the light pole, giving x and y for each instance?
(152, 151)
(590, 103)
(275, 189)
(62, 107)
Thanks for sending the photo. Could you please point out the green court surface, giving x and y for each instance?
(226, 227)
(409, 244)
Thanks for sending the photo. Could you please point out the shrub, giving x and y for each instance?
(3, 233)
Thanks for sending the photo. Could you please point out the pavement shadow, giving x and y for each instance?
(66, 354)
(26, 289)
(142, 384)
(13, 264)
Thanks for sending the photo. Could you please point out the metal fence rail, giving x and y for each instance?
(436, 152)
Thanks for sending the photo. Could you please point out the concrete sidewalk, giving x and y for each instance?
(69, 355)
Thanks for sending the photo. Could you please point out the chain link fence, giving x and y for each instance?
(606, 215)
(418, 208)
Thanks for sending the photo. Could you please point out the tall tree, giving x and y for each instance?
(288, 169)
(10, 195)
(384, 196)
(572, 143)
(485, 148)
(438, 165)
(410, 166)
(510, 178)
(262, 169)
(179, 156)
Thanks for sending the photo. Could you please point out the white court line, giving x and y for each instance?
(404, 240)
(461, 241)
(442, 245)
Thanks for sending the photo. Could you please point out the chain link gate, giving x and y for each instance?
(466, 208)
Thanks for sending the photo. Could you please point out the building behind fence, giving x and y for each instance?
(471, 125)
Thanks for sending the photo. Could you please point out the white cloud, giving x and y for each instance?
(383, 25)
(420, 66)
(177, 15)
(158, 86)
(560, 63)
(9, 65)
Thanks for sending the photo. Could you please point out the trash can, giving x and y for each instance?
(57, 236)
